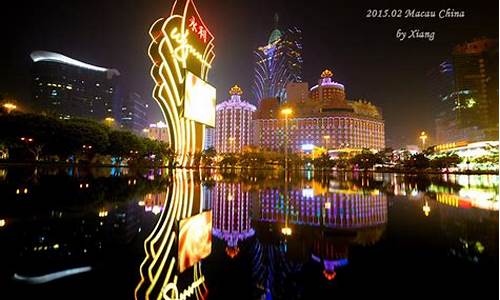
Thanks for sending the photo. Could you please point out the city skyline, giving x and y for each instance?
(363, 51)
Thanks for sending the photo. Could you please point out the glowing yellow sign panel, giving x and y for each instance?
(195, 239)
(199, 104)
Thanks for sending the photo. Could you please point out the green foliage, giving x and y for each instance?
(366, 159)
(445, 161)
(417, 161)
(81, 138)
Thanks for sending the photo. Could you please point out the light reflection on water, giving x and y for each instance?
(311, 235)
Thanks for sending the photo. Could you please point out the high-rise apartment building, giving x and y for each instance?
(68, 88)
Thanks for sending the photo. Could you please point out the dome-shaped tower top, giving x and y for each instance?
(327, 74)
(235, 90)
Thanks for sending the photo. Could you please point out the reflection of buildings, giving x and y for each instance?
(325, 119)
(278, 63)
(336, 210)
(324, 227)
(473, 113)
(154, 202)
(68, 88)
(233, 120)
(231, 207)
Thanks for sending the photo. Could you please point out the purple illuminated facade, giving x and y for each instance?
(341, 209)
(233, 121)
(231, 219)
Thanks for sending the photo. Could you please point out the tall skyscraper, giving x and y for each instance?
(233, 120)
(441, 79)
(278, 63)
(467, 90)
(133, 113)
(69, 88)
(476, 83)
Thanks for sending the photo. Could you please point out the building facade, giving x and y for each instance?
(324, 120)
(68, 88)
(133, 113)
(159, 132)
(471, 110)
(233, 121)
(277, 63)
(209, 138)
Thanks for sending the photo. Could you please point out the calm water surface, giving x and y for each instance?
(113, 234)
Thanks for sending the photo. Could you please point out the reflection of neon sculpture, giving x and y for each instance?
(157, 271)
(180, 42)
(231, 215)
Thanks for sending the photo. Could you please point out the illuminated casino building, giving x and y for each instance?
(231, 218)
(67, 88)
(278, 63)
(325, 119)
(233, 123)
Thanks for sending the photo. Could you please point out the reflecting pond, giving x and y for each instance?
(110, 233)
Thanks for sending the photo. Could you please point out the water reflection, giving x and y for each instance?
(159, 274)
(313, 235)
(232, 223)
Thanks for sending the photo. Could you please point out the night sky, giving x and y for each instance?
(363, 53)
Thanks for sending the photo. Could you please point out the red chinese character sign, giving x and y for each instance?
(182, 44)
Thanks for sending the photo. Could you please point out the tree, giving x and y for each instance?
(417, 161)
(124, 144)
(445, 161)
(366, 160)
(323, 162)
(208, 157)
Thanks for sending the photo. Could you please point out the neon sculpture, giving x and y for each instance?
(180, 43)
(158, 273)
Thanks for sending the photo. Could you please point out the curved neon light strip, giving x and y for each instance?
(52, 276)
(37, 56)
(159, 245)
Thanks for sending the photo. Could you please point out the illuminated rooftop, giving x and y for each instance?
(38, 56)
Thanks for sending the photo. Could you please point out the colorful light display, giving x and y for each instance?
(234, 120)
(158, 271)
(181, 43)
(195, 239)
(278, 63)
(232, 222)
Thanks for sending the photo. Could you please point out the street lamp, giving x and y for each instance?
(286, 112)
(109, 121)
(326, 138)
(423, 137)
(231, 144)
